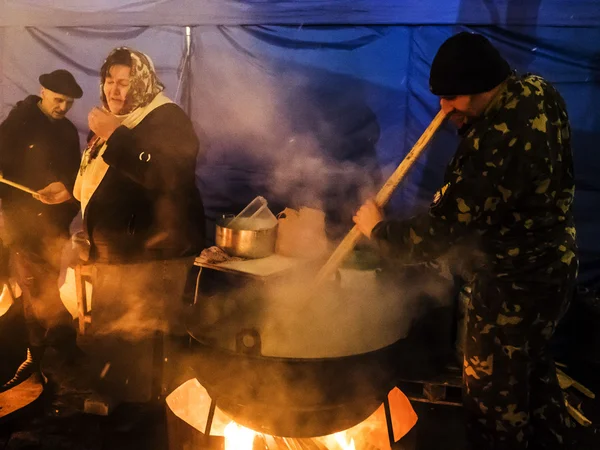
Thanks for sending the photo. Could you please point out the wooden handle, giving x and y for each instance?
(381, 199)
(385, 193)
(18, 186)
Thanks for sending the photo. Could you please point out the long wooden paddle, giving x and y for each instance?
(383, 196)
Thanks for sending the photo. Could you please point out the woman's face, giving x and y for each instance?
(116, 86)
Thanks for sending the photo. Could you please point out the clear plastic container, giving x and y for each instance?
(255, 216)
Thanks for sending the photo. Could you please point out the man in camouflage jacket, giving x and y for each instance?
(507, 193)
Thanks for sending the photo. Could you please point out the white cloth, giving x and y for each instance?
(90, 177)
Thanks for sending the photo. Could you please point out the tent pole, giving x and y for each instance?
(183, 89)
(188, 40)
(188, 68)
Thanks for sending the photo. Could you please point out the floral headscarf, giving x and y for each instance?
(144, 83)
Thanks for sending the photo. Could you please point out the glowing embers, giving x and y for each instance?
(209, 427)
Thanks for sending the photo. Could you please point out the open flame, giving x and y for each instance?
(191, 404)
(238, 437)
(342, 441)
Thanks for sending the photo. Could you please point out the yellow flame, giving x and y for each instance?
(342, 441)
(238, 437)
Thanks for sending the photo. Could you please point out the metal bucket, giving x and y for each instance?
(246, 243)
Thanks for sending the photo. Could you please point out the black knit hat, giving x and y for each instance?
(62, 82)
(467, 64)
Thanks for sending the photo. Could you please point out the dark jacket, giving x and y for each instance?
(148, 206)
(36, 151)
(509, 187)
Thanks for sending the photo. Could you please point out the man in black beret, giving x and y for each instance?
(39, 148)
(507, 193)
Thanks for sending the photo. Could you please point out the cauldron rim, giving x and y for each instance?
(293, 359)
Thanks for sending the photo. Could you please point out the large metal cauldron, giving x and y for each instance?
(294, 397)
(264, 381)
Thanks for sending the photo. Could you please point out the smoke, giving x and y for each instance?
(362, 311)
(271, 135)
(133, 301)
(335, 352)
(291, 137)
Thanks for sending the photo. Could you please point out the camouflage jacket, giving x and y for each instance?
(508, 190)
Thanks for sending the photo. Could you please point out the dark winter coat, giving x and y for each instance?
(147, 206)
(36, 151)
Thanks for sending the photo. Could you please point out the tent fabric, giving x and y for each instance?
(28, 52)
(384, 69)
(292, 12)
(314, 114)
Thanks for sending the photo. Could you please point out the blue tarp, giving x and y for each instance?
(293, 12)
(314, 102)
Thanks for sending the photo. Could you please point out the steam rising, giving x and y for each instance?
(354, 315)
(272, 128)
(256, 118)
(334, 352)
(261, 124)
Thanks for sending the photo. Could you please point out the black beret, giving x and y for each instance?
(467, 64)
(62, 82)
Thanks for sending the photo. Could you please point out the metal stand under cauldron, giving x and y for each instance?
(196, 422)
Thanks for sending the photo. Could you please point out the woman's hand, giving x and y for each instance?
(102, 123)
(367, 217)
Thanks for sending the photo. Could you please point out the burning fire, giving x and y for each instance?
(191, 403)
(342, 441)
(238, 437)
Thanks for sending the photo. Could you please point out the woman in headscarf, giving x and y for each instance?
(142, 213)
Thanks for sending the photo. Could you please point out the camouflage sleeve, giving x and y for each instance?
(483, 184)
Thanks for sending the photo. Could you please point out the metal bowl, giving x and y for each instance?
(246, 243)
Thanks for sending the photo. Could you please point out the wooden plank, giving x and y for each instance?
(413, 398)
(443, 389)
(434, 392)
(451, 377)
(260, 268)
